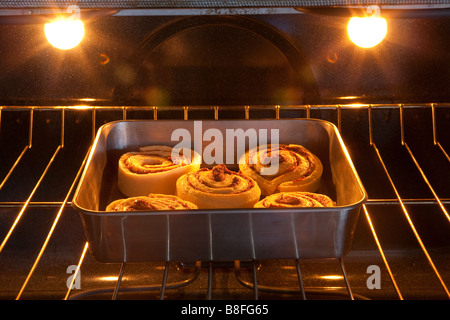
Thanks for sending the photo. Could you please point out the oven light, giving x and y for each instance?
(65, 33)
(367, 32)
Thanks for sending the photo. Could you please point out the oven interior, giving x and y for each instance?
(390, 104)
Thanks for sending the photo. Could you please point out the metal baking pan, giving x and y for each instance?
(222, 234)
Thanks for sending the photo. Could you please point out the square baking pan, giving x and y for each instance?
(218, 234)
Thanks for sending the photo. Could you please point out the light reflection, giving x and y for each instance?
(332, 57)
(81, 107)
(105, 58)
(332, 277)
(356, 105)
(109, 278)
(288, 267)
(348, 97)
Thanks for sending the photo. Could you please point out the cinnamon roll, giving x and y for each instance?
(150, 202)
(153, 170)
(282, 168)
(295, 200)
(218, 187)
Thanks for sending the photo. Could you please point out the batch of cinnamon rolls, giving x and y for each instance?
(151, 179)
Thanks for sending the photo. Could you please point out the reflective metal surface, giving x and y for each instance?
(218, 234)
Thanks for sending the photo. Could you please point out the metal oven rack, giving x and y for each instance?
(402, 233)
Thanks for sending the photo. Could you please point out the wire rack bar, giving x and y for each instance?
(52, 229)
(119, 281)
(77, 271)
(380, 249)
(25, 149)
(118, 289)
(411, 224)
(435, 136)
(38, 183)
(300, 279)
(22, 211)
(164, 282)
(300, 290)
(402, 205)
(14, 165)
(210, 279)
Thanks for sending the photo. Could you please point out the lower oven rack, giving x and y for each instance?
(49, 259)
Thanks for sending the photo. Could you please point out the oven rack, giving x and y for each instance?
(216, 112)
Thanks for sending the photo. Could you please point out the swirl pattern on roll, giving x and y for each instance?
(151, 202)
(298, 169)
(152, 169)
(218, 187)
(295, 200)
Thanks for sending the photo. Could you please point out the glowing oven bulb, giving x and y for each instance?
(67, 33)
(64, 34)
(367, 32)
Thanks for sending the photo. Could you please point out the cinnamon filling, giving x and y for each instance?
(143, 204)
(140, 205)
(218, 174)
(288, 200)
(281, 157)
(296, 200)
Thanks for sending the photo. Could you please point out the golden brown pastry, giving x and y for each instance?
(297, 168)
(218, 188)
(150, 202)
(153, 170)
(295, 200)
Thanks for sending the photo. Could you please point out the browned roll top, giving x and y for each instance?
(154, 169)
(282, 168)
(151, 202)
(295, 200)
(219, 179)
(288, 157)
(153, 159)
(218, 188)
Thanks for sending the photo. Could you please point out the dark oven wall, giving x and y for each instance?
(222, 60)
